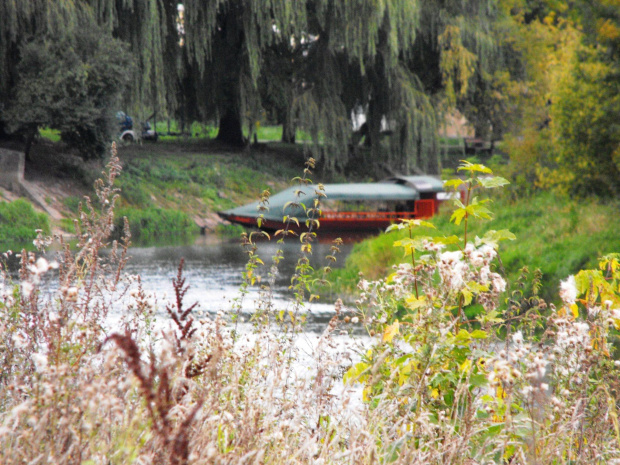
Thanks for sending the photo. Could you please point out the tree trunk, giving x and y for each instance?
(289, 128)
(30, 135)
(230, 131)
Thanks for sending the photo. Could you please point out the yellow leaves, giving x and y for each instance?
(465, 366)
(607, 30)
(574, 310)
(414, 302)
(391, 331)
(476, 209)
(474, 167)
(456, 62)
(610, 262)
(366, 394)
(454, 183)
(409, 224)
(404, 372)
(357, 373)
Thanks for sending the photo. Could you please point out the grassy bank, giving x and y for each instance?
(172, 189)
(558, 235)
(18, 224)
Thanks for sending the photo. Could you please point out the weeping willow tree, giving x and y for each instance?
(151, 29)
(399, 61)
(225, 42)
(403, 63)
(19, 22)
(148, 26)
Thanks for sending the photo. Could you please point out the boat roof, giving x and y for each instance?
(356, 191)
(421, 183)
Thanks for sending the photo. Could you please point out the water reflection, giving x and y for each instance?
(213, 270)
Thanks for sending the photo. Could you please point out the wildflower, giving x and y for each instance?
(27, 288)
(568, 290)
(42, 265)
(19, 340)
(72, 294)
(40, 362)
(499, 284)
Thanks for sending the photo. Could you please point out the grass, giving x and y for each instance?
(50, 134)
(156, 225)
(198, 179)
(264, 133)
(19, 222)
(557, 235)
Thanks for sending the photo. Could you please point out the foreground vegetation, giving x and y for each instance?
(557, 235)
(526, 382)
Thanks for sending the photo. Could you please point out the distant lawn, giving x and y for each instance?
(50, 134)
(265, 133)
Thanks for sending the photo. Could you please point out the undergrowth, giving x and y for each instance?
(90, 376)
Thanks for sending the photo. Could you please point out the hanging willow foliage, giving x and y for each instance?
(149, 26)
(396, 60)
(20, 20)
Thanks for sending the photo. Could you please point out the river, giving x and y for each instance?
(213, 270)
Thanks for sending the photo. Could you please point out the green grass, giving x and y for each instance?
(265, 133)
(50, 134)
(155, 225)
(558, 235)
(18, 222)
(199, 181)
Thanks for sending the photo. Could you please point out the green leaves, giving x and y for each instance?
(493, 237)
(476, 209)
(474, 168)
(454, 183)
(409, 224)
(492, 182)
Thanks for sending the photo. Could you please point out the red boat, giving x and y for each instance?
(360, 207)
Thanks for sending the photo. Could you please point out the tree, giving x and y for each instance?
(401, 62)
(149, 28)
(225, 43)
(587, 113)
(71, 83)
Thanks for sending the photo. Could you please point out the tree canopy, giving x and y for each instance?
(541, 75)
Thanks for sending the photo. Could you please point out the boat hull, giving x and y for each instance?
(340, 221)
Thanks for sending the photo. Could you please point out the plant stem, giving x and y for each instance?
(415, 278)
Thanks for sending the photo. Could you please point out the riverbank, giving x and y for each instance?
(170, 190)
(555, 234)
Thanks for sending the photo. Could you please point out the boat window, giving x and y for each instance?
(366, 206)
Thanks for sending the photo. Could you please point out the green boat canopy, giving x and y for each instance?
(422, 184)
(370, 192)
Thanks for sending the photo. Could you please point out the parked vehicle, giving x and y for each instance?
(356, 207)
(127, 132)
